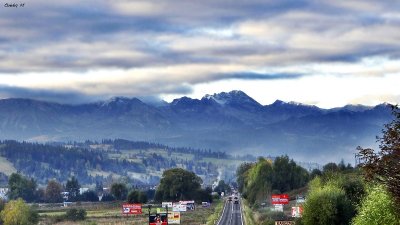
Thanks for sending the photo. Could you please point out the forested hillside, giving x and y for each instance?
(105, 161)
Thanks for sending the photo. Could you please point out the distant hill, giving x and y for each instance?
(111, 160)
(231, 122)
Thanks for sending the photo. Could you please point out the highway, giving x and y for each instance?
(231, 215)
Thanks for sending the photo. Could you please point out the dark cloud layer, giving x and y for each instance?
(47, 95)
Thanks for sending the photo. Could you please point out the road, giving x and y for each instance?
(231, 215)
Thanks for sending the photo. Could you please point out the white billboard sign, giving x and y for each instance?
(165, 204)
(177, 207)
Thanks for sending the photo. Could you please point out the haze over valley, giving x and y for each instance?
(231, 122)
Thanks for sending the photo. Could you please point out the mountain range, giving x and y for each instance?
(228, 121)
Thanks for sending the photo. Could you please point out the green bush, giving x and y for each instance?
(17, 212)
(75, 214)
(272, 216)
(327, 205)
(377, 208)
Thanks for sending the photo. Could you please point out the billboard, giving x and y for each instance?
(131, 208)
(158, 219)
(278, 208)
(186, 202)
(177, 207)
(189, 205)
(165, 204)
(280, 199)
(300, 199)
(284, 222)
(297, 211)
(174, 218)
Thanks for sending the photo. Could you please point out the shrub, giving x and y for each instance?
(133, 196)
(327, 205)
(107, 198)
(377, 208)
(119, 191)
(17, 212)
(75, 214)
(89, 196)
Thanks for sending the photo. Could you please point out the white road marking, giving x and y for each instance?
(223, 211)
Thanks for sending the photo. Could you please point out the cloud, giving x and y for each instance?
(262, 76)
(123, 47)
(46, 95)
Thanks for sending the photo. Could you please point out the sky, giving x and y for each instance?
(326, 53)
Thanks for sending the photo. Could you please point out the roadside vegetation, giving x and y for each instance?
(213, 218)
(336, 195)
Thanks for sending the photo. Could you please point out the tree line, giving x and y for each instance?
(257, 181)
(55, 161)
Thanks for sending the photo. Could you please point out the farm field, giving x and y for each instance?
(110, 214)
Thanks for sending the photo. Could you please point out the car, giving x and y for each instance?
(229, 198)
(236, 200)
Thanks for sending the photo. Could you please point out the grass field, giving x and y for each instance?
(110, 214)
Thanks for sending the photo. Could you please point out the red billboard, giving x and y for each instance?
(282, 199)
(131, 208)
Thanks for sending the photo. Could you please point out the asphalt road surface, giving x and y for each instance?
(231, 215)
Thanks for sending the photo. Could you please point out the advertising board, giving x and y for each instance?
(132, 209)
(158, 219)
(297, 211)
(280, 199)
(177, 207)
(278, 208)
(189, 205)
(174, 218)
(164, 204)
(284, 222)
(300, 200)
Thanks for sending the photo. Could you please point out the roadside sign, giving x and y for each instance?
(300, 199)
(278, 208)
(132, 209)
(174, 218)
(178, 207)
(280, 199)
(158, 219)
(297, 211)
(189, 205)
(186, 202)
(284, 222)
(165, 204)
